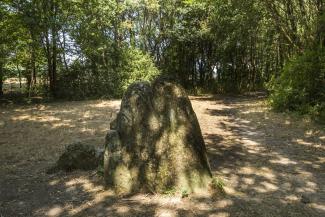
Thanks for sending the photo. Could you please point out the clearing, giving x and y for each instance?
(271, 164)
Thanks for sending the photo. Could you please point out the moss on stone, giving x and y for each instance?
(156, 143)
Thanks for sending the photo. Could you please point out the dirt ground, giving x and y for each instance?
(272, 164)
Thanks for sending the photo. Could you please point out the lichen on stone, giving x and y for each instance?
(156, 142)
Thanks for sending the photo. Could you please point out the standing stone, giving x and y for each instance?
(155, 143)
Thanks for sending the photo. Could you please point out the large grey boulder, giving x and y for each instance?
(155, 143)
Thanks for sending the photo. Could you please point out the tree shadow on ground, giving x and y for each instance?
(269, 162)
(265, 160)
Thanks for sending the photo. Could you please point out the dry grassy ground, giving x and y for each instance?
(272, 164)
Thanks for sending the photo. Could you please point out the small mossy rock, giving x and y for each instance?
(79, 156)
(155, 143)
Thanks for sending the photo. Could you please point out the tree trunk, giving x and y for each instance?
(1, 84)
(321, 26)
(1, 80)
(47, 48)
(28, 79)
(19, 77)
(64, 52)
(33, 72)
(54, 54)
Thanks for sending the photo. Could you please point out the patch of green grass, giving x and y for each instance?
(218, 184)
(170, 191)
(100, 170)
(184, 193)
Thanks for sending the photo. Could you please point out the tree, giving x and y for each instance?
(82, 47)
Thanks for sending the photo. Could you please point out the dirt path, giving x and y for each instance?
(272, 164)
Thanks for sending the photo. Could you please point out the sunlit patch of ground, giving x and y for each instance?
(13, 84)
(271, 164)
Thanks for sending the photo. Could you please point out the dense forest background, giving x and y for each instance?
(95, 48)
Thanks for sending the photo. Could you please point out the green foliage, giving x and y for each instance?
(301, 85)
(170, 191)
(83, 81)
(185, 193)
(136, 66)
(218, 184)
(78, 49)
(100, 170)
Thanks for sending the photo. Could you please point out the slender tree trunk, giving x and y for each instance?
(19, 72)
(320, 35)
(54, 63)
(132, 37)
(28, 79)
(19, 76)
(51, 50)
(49, 60)
(63, 46)
(1, 80)
(54, 51)
(33, 72)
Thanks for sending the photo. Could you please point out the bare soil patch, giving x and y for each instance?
(272, 164)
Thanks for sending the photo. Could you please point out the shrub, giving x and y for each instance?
(218, 184)
(83, 80)
(301, 85)
(136, 66)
